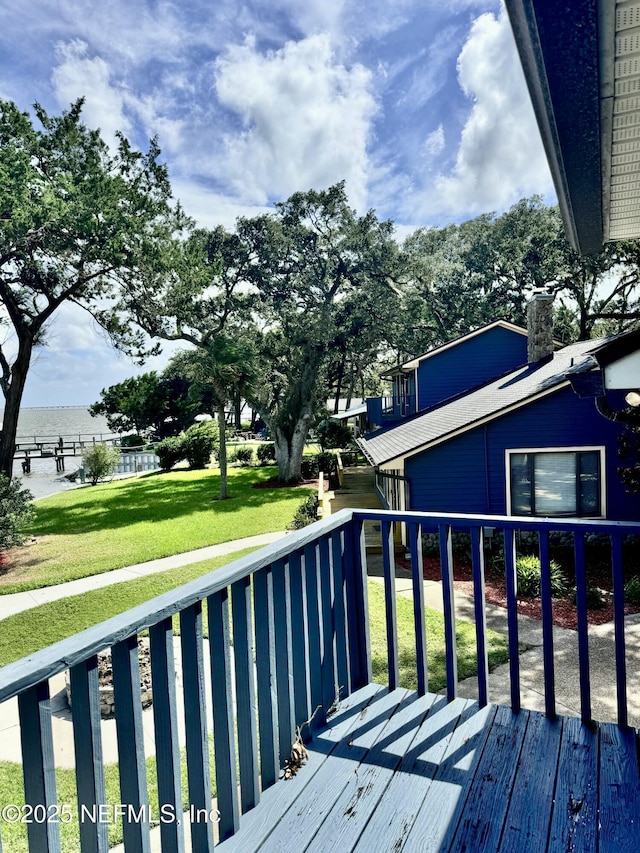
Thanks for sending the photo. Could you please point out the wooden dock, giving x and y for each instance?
(397, 771)
(57, 448)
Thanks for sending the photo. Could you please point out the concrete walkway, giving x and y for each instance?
(602, 670)
(19, 601)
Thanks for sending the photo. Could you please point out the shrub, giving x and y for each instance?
(15, 511)
(132, 440)
(200, 442)
(169, 451)
(632, 590)
(331, 433)
(99, 462)
(306, 513)
(266, 453)
(349, 457)
(243, 455)
(528, 574)
(309, 469)
(595, 601)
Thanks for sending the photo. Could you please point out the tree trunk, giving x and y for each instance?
(13, 399)
(289, 449)
(238, 411)
(222, 459)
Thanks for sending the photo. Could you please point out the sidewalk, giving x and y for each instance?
(19, 601)
(567, 684)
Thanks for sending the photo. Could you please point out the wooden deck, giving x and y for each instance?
(394, 771)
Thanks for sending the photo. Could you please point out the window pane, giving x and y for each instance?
(555, 483)
(590, 483)
(520, 484)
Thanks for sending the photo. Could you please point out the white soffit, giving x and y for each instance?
(623, 111)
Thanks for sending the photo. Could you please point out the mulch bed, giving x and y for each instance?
(565, 614)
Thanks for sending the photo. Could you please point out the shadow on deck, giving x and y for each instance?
(394, 771)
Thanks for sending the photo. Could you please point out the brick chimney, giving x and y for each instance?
(540, 327)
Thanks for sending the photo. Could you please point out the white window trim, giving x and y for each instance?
(572, 449)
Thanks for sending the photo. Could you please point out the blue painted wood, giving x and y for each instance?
(165, 726)
(340, 629)
(301, 823)
(512, 617)
(87, 742)
(245, 694)
(132, 768)
(583, 628)
(280, 799)
(38, 768)
(547, 626)
(618, 621)
(284, 661)
(619, 790)
(529, 816)
(264, 619)
(353, 612)
(477, 564)
(195, 716)
(360, 649)
(361, 797)
(465, 733)
(575, 814)
(314, 638)
(224, 745)
(446, 568)
(417, 579)
(300, 657)
(487, 798)
(327, 595)
(389, 568)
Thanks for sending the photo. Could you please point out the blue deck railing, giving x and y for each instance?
(288, 634)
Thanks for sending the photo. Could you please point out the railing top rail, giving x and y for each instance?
(31, 670)
(507, 522)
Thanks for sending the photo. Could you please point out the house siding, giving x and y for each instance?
(452, 476)
(468, 364)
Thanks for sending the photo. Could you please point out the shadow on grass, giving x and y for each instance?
(155, 497)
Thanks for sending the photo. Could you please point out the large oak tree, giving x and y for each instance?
(78, 223)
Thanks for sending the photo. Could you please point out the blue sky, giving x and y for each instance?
(419, 105)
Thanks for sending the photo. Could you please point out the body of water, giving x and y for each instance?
(70, 422)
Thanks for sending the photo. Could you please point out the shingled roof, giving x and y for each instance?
(472, 408)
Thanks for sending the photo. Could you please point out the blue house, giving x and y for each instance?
(499, 430)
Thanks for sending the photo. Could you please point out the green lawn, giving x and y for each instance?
(99, 528)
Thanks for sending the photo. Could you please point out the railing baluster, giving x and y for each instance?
(618, 620)
(340, 627)
(132, 768)
(38, 765)
(245, 693)
(299, 652)
(195, 716)
(512, 617)
(417, 576)
(479, 600)
(325, 586)
(284, 661)
(547, 626)
(165, 726)
(389, 567)
(314, 639)
(358, 615)
(446, 565)
(87, 741)
(583, 627)
(266, 676)
(224, 745)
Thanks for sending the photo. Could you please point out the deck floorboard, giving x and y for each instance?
(394, 771)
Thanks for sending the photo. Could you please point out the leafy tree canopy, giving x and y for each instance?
(78, 223)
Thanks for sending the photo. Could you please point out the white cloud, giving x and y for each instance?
(80, 75)
(500, 157)
(435, 142)
(305, 119)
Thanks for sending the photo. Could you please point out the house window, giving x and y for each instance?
(556, 483)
